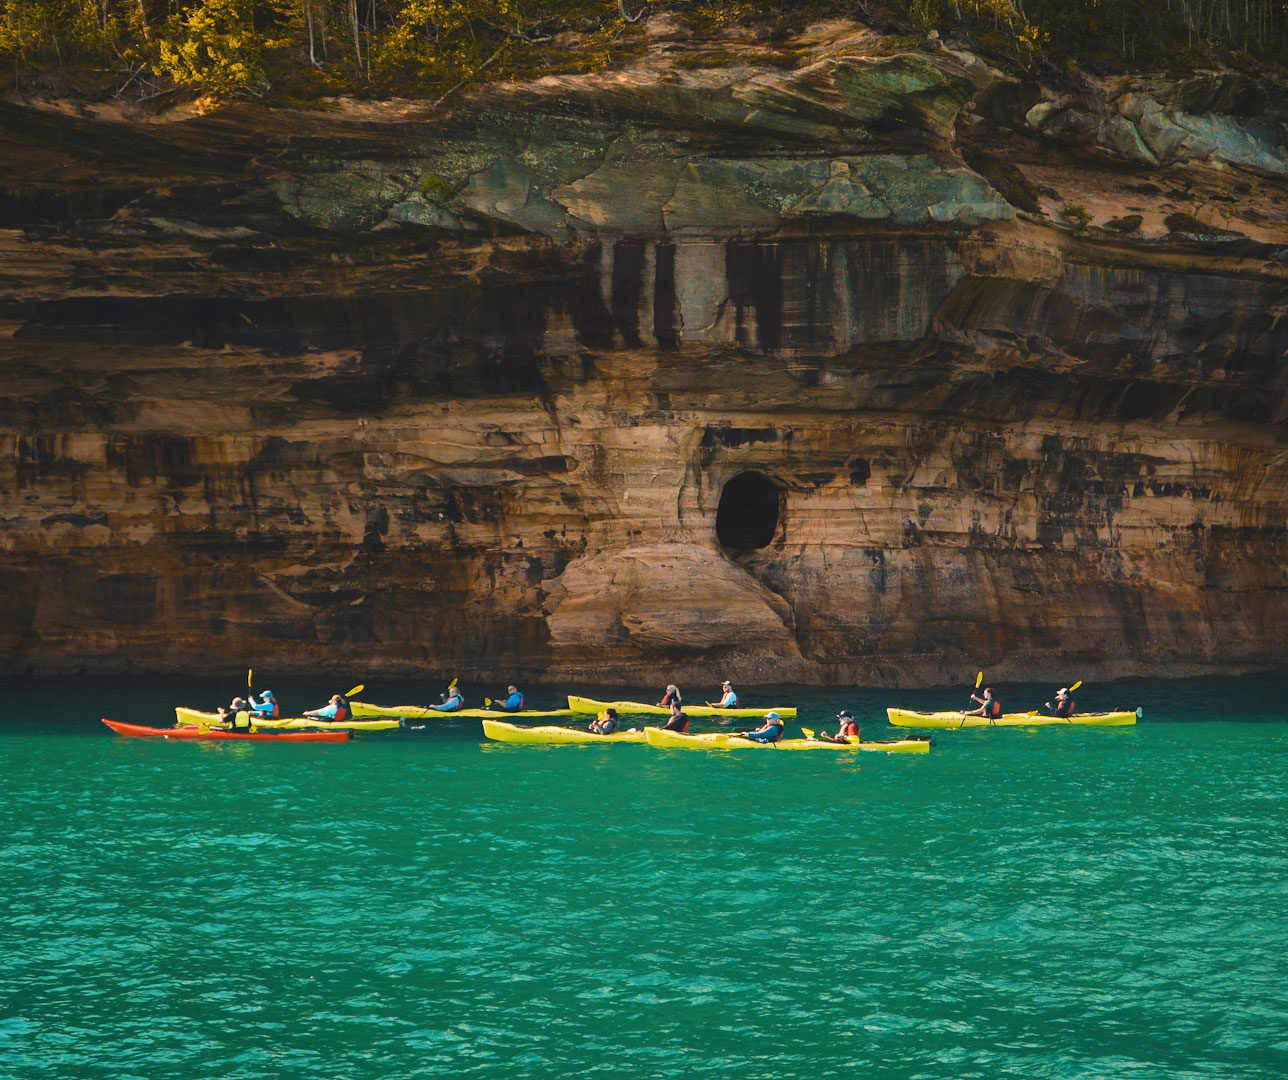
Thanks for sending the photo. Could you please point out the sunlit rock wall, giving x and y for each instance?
(460, 391)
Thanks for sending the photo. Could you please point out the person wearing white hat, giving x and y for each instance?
(768, 732)
(846, 729)
(1063, 705)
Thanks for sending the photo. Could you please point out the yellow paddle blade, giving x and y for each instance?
(979, 679)
(249, 671)
(356, 690)
(807, 732)
(452, 685)
(1075, 686)
(487, 701)
(203, 728)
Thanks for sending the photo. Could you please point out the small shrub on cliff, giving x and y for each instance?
(1078, 217)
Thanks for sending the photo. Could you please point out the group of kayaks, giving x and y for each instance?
(196, 724)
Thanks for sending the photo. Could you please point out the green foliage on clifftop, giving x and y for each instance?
(300, 49)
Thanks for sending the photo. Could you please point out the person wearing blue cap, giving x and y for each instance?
(768, 732)
(267, 708)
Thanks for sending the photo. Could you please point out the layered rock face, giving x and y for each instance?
(680, 372)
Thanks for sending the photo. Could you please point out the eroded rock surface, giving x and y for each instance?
(460, 389)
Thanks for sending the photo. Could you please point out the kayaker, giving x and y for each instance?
(988, 705)
(336, 709)
(237, 715)
(846, 729)
(671, 697)
(513, 703)
(265, 709)
(768, 732)
(678, 721)
(728, 699)
(1064, 704)
(451, 699)
(606, 724)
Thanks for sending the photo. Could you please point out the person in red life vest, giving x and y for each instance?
(606, 724)
(1064, 704)
(728, 699)
(846, 729)
(678, 721)
(265, 709)
(336, 709)
(671, 697)
(988, 705)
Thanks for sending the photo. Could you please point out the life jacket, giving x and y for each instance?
(342, 713)
(241, 720)
(683, 729)
(849, 727)
(994, 709)
(519, 707)
(454, 701)
(1066, 709)
(667, 698)
(781, 729)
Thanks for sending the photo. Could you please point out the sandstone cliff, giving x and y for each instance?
(881, 366)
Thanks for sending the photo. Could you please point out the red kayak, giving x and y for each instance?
(216, 733)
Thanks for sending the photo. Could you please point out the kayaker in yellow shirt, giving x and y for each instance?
(236, 715)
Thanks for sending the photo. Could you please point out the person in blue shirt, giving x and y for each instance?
(513, 703)
(452, 699)
(728, 699)
(336, 709)
(768, 732)
(267, 708)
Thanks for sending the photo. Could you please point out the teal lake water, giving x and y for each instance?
(1027, 903)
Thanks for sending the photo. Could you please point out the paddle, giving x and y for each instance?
(807, 732)
(249, 671)
(356, 690)
(979, 678)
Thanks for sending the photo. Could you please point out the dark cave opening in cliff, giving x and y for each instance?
(747, 516)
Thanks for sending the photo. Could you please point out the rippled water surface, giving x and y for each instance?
(1063, 902)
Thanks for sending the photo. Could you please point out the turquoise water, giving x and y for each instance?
(1063, 902)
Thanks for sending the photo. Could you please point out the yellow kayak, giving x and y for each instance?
(721, 740)
(545, 736)
(908, 718)
(189, 717)
(590, 707)
(362, 710)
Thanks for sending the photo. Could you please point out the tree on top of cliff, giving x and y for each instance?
(305, 48)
